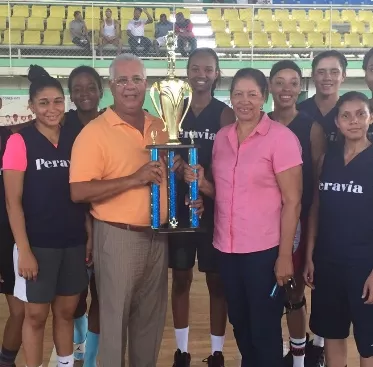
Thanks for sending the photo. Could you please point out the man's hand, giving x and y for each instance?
(149, 173)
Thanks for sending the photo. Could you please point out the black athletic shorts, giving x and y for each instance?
(6, 259)
(336, 303)
(183, 248)
(62, 272)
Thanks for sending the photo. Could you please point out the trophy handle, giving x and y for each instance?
(154, 88)
(188, 106)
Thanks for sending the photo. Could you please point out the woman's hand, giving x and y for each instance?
(192, 173)
(27, 265)
(284, 269)
(198, 204)
(89, 250)
(368, 290)
(309, 269)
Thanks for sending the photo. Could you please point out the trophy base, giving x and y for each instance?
(171, 146)
(179, 230)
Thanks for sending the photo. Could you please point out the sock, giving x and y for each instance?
(298, 350)
(318, 341)
(217, 343)
(80, 335)
(7, 357)
(91, 349)
(65, 361)
(182, 336)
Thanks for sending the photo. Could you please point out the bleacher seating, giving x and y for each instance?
(230, 28)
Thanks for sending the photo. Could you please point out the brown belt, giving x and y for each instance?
(130, 227)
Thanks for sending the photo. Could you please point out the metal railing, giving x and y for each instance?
(37, 29)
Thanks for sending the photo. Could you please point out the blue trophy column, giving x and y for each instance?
(193, 190)
(155, 195)
(172, 193)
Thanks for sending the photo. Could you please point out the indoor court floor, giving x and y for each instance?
(199, 338)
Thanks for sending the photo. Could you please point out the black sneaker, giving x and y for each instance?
(216, 360)
(181, 359)
(315, 356)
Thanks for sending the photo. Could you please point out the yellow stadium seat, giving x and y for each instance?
(370, 26)
(57, 11)
(365, 16)
(214, 14)
(52, 38)
(2, 24)
(352, 40)
(298, 14)
(246, 14)
(282, 14)
(21, 11)
(35, 24)
(31, 38)
(15, 37)
(265, 14)
(367, 40)
(126, 13)
(124, 23)
(39, 11)
(231, 14)
(223, 40)
(218, 25)
(5, 11)
(271, 26)
(124, 38)
(255, 26)
(55, 24)
(93, 24)
(348, 15)
(235, 26)
(185, 11)
(297, 40)
(66, 41)
(357, 27)
(149, 34)
(241, 40)
(159, 11)
(17, 23)
(91, 12)
(278, 40)
(289, 26)
(316, 15)
(260, 40)
(323, 26)
(334, 40)
(334, 16)
(306, 26)
(315, 40)
(72, 9)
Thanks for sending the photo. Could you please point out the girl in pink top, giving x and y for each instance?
(257, 175)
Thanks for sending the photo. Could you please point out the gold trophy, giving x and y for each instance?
(171, 94)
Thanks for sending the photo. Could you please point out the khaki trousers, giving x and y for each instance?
(131, 277)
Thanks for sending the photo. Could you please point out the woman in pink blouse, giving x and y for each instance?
(257, 186)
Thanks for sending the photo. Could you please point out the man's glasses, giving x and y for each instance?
(123, 81)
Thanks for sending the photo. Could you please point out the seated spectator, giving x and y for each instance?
(136, 31)
(161, 30)
(185, 35)
(110, 33)
(78, 31)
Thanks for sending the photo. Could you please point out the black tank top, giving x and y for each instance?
(301, 126)
(4, 136)
(346, 208)
(205, 127)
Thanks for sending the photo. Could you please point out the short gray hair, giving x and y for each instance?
(125, 57)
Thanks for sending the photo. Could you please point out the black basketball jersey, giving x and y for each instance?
(301, 126)
(204, 128)
(345, 230)
(4, 136)
(52, 219)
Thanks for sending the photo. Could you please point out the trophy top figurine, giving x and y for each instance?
(171, 54)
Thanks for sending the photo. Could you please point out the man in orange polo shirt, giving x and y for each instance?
(110, 169)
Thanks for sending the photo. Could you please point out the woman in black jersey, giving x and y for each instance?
(339, 263)
(85, 88)
(205, 117)
(50, 231)
(285, 85)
